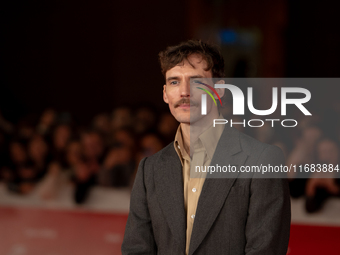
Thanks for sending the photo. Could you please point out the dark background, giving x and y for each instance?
(87, 57)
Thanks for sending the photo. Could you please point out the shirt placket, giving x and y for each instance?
(193, 184)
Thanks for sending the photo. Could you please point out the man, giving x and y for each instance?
(172, 213)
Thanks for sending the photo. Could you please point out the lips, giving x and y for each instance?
(185, 105)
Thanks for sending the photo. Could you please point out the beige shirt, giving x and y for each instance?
(204, 150)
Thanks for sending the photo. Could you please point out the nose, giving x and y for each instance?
(185, 88)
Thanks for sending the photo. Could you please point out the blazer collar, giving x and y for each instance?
(216, 190)
(168, 179)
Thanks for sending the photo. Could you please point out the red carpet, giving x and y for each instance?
(314, 240)
(26, 231)
(54, 232)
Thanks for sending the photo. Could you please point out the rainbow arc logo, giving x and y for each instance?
(204, 96)
(206, 91)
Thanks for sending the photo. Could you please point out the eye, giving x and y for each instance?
(173, 82)
(196, 82)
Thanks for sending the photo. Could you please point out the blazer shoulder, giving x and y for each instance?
(164, 154)
(167, 150)
(253, 146)
(263, 154)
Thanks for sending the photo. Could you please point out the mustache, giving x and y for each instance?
(185, 101)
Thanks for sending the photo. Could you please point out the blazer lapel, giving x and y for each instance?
(168, 179)
(216, 190)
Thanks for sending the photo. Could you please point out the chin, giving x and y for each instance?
(182, 119)
(196, 120)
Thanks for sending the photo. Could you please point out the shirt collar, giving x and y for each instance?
(179, 146)
(207, 140)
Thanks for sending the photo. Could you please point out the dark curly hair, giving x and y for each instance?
(174, 55)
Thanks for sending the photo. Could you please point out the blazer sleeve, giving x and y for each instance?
(269, 215)
(138, 237)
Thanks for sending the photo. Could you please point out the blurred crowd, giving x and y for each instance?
(40, 153)
(312, 153)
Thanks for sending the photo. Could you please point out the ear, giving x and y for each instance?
(220, 91)
(165, 97)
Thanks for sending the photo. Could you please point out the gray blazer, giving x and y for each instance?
(234, 215)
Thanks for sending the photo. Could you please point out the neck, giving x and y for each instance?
(191, 132)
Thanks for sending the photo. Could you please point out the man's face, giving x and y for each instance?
(176, 91)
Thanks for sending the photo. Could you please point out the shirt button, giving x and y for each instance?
(194, 190)
(178, 147)
(193, 216)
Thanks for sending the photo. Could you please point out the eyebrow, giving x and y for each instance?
(196, 76)
(191, 77)
(172, 78)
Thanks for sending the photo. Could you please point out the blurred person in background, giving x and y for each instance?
(84, 179)
(17, 153)
(145, 119)
(101, 122)
(49, 187)
(26, 127)
(149, 144)
(28, 164)
(27, 178)
(124, 137)
(304, 152)
(61, 135)
(46, 122)
(73, 153)
(279, 143)
(25, 130)
(322, 185)
(119, 163)
(59, 176)
(7, 175)
(38, 152)
(167, 127)
(5, 125)
(3, 148)
(121, 118)
(93, 148)
(15, 159)
(265, 133)
(86, 170)
(117, 167)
